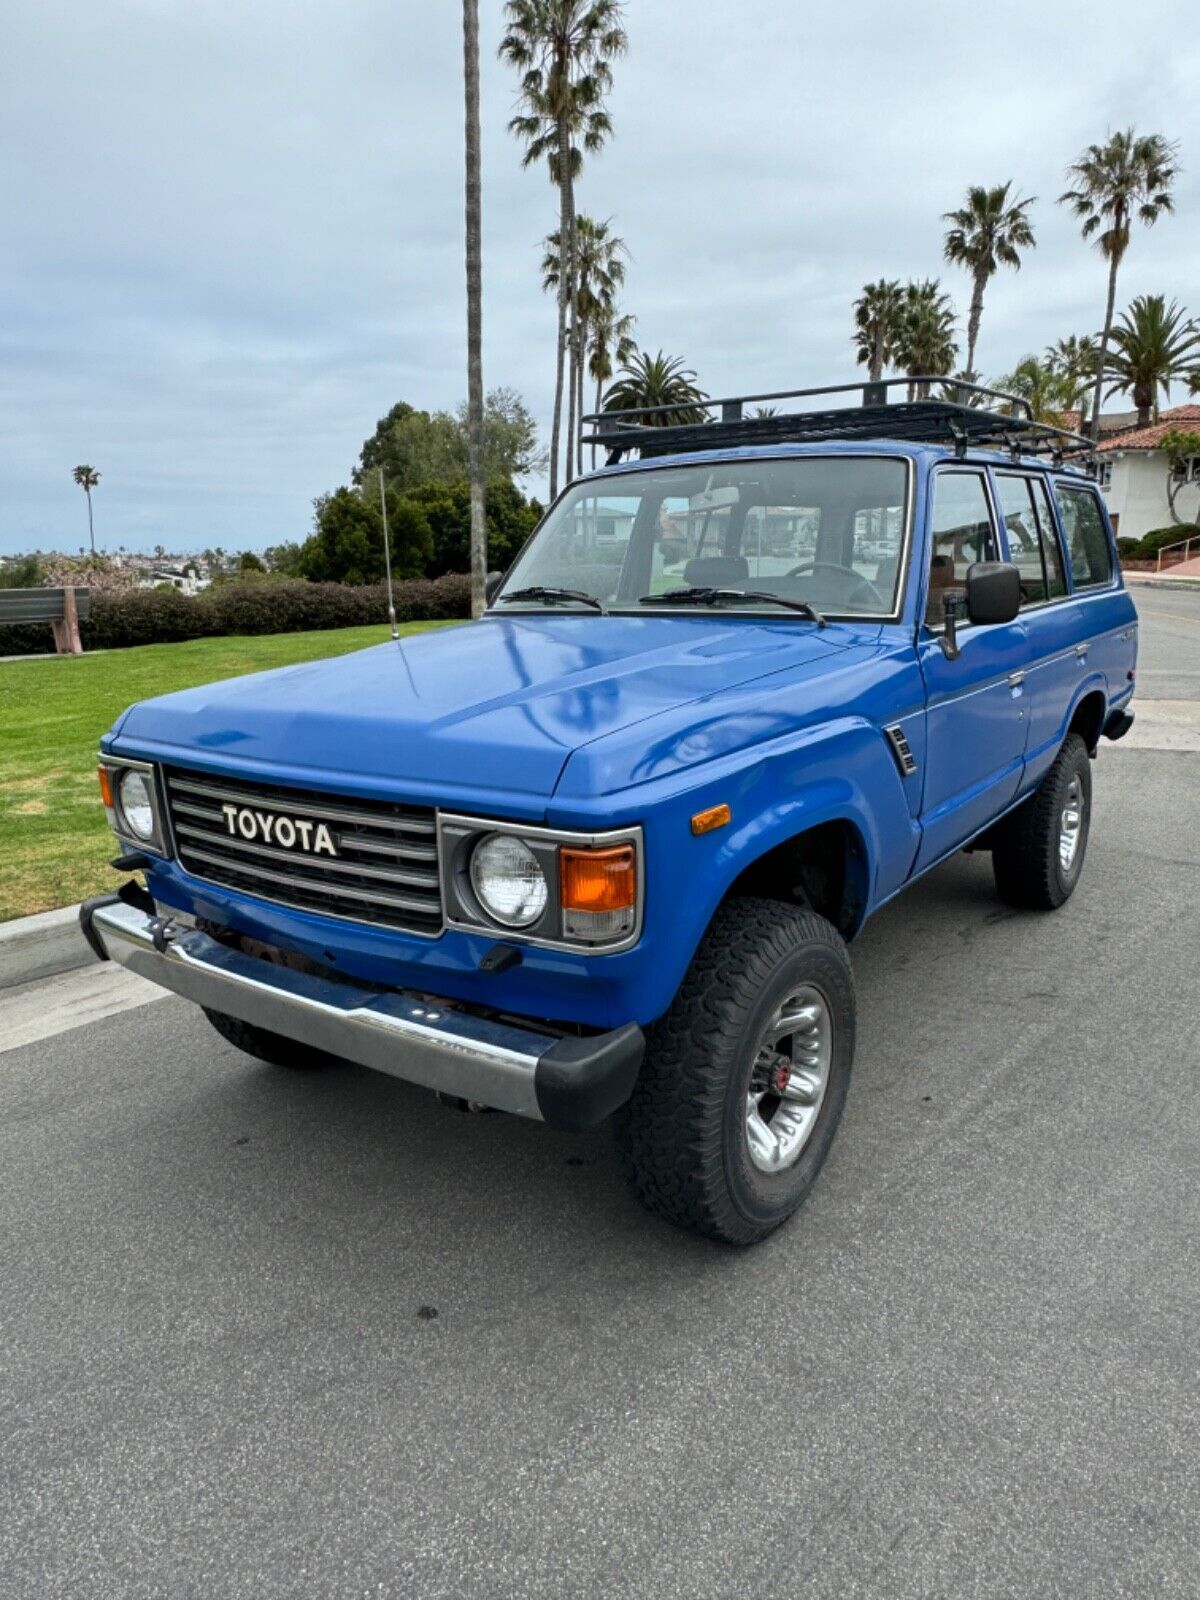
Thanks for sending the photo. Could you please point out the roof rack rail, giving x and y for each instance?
(958, 418)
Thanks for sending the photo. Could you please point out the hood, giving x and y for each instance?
(494, 706)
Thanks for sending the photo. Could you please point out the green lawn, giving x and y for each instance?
(54, 841)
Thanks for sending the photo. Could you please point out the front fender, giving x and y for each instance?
(838, 771)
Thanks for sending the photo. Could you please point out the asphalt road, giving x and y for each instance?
(265, 1335)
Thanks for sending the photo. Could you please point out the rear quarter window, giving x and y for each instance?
(1087, 542)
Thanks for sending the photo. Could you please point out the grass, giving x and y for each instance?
(54, 841)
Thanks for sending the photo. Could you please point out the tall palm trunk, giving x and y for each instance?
(876, 367)
(474, 229)
(566, 260)
(569, 276)
(598, 403)
(1102, 354)
(91, 528)
(973, 319)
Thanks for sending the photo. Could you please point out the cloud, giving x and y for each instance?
(235, 233)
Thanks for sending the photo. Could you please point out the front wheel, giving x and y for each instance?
(1038, 853)
(744, 1080)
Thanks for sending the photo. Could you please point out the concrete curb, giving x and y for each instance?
(37, 947)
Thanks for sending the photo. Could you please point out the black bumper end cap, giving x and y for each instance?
(134, 861)
(579, 1082)
(1118, 724)
(86, 912)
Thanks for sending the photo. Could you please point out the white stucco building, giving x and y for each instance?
(1133, 476)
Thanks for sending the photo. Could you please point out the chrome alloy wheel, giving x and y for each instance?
(1070, 825)
(788, 1080)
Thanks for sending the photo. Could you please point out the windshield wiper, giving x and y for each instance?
(554, 596)
(712, 597)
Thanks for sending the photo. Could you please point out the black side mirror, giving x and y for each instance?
(993, 594)
(491, 585)
(993, 591)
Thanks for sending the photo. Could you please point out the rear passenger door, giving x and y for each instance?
(976, 706)
(1107, 619)
(1053, 623)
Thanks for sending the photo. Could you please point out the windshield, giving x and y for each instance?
(825, 529)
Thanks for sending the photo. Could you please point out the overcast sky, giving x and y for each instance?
(232, 233)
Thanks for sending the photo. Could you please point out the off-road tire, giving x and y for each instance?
(270, 1047)
(681, 1138)
(1025, 854)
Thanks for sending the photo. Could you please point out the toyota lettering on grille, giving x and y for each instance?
(291, 833)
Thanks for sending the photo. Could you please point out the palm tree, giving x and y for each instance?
(474, 255)
(1112, 183)
(87, 478)
(599, 272)
(647, 381)
(985, 234)
(611, 345)
(877, 313)
(1046, 392)
(1154, 345)
(925, 343)
(1073, 360)
(564, 51)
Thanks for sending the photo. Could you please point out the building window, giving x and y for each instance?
(1104, 474)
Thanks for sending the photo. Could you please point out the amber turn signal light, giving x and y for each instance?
(106, 793)
(598, 880)
(714, 817)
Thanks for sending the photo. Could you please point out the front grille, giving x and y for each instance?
(385, 869)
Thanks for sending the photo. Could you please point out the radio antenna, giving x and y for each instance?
(387, 559)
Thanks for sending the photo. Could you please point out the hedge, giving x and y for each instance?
(164, 616)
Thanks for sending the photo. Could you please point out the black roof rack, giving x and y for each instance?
(959, 419)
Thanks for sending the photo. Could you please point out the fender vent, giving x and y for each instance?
(901, 749)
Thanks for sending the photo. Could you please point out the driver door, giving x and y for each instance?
(976, 707)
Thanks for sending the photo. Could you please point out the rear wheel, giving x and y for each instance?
(744, 1080)
(270, 1047)
(1038, 853)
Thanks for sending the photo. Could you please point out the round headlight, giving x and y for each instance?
(137, 804)
(508, 881)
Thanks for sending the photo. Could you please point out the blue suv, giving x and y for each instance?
(599, 854)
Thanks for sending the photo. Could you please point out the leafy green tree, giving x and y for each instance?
(249, 562)
(563, 51)
(599, 273)
(87, 478)
(23, 573)
(647, 381)
(1182, 446)
(1073, 359)
(878, 312)
(1153, 346)
(610, 344)
(985, 234)
(284, 559)
(925, 343)
(1130, 176)
(347, 546)
(1047, 393)
(417, 447)
(446, 509)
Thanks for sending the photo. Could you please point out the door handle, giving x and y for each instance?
(1016, 679)
(1081, 651)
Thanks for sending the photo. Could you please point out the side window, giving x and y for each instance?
(1087, 542)
(960, 533)
(1051, 549)
(1032, 540)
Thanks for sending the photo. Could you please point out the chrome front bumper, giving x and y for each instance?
(569, 1082)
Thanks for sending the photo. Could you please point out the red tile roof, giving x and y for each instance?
(1150, 438)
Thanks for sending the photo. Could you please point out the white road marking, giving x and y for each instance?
(33, 1011)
